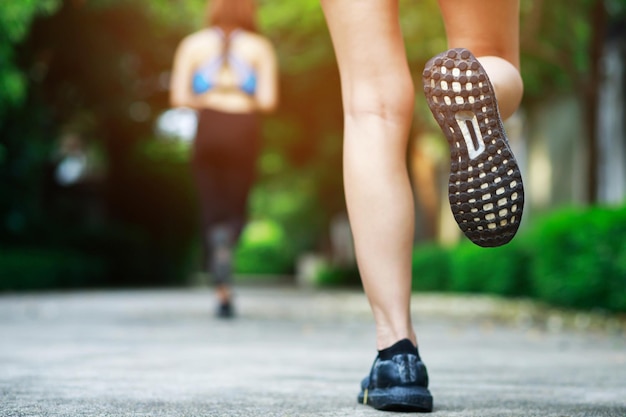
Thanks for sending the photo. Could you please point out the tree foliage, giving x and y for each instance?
(100, 68)
(15, 22)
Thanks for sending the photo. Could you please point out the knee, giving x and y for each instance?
(389, 99)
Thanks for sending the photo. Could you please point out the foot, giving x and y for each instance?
(485, 185)
(398, 381)
(225, 310)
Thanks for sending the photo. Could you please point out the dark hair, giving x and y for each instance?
(232, 14)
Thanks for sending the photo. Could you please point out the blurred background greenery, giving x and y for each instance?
(92, 76)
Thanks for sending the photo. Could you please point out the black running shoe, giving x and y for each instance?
(485, 185)
(397, 382)
(225, 310)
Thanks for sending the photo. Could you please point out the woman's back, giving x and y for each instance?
(226, 70)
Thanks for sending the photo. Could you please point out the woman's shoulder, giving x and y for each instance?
(255, 40)
(198, 39)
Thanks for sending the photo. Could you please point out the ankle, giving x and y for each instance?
(223, 293)
(388, 338)
(404, 346)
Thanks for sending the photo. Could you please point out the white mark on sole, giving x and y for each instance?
(468, 123)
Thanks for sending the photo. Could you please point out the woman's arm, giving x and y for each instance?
(266, 96)
(180, 81)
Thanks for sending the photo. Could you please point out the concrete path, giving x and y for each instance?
(294, 353)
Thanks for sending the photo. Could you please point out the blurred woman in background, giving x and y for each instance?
(228, 72)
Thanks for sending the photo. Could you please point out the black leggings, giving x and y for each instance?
(225, 152)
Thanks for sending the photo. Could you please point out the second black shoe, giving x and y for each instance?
(398, 381)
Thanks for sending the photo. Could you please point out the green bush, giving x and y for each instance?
(264, 249)
(579, 258)
(430, 268)
(96, 258)
(617, 283)
(334, 276)
(572, 258)
(39, 269)
(501, 270)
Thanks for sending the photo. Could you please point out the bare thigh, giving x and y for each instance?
(485, 27)
(370, 52)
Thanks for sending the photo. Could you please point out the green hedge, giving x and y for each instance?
(38, 269)
(572, 258)
(333, 276)
(469, 268)
(431, 268)
(501, 271)
(264, 249)
(94, 259)
(579, 258)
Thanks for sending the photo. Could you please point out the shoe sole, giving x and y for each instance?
(485, 185)
(398, 399)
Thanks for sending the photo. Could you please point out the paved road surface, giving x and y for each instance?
(291, 353)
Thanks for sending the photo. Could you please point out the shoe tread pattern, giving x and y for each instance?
(485, 187)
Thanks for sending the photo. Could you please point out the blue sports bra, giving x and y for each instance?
(205, 77)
